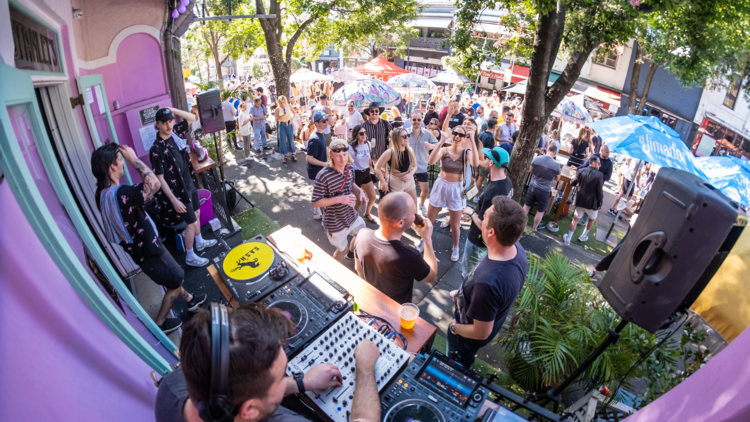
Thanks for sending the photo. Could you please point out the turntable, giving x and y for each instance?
(312, 304)
(253, 269)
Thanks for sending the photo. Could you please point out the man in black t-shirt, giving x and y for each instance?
(496, 160)
(126, 223)
(487, 294)
(384, 261)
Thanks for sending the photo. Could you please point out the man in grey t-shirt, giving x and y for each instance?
(422, 142)
(544, 171)
(258, 115)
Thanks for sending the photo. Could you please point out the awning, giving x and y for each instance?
(431, 23)
(604, 95)
(421, 60)
(488, 27)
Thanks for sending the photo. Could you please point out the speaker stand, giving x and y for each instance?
(553, 395)
(223, 181)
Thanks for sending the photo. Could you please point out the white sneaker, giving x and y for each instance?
(566, 238)
(424, 210)
(454, 254)
(420, 246)
(317, 216)
(206, 244)
(583, 238)
(197, 262)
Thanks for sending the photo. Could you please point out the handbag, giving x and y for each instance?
(472, 191)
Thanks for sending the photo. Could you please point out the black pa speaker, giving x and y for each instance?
(684, 231)
(209, 110)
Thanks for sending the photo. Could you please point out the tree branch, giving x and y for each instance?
(295, 37)
(562, 85)
(647, 87)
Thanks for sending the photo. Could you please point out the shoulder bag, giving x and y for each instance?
(470, 192)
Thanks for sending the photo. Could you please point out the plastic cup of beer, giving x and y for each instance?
(409, 313)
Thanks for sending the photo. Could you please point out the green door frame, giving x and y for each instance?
(17, 89)
(91, 81)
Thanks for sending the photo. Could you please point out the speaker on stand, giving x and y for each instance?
(684, 232)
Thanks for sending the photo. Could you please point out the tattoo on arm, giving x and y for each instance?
(151, 183)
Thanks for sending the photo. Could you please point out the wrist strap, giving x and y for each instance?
(300, 383)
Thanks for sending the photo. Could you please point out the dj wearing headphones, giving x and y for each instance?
(233, 369)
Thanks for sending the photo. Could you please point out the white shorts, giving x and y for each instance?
(339, 239)
(447, 194)
(579, 213)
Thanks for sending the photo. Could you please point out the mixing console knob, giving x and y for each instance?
(330, 355)
(477, 396)
(339, 357)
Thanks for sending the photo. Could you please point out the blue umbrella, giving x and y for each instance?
(647, 139)
(730, 175)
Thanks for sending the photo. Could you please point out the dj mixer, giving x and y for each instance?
(336, 345)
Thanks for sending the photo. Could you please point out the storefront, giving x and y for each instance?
(715, 138)
(72, 77)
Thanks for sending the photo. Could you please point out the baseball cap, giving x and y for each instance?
(498, 155)
(164, 115)
(319, 115)
(338, 144)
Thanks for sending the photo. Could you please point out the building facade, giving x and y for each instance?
(723, 120)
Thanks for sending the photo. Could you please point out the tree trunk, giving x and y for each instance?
(647, 87)
(634, 77)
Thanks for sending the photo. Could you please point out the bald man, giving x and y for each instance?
(387, 263)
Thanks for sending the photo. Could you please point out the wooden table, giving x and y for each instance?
(370, 299)
(199, 166)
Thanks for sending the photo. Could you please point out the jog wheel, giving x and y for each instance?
(296, 313)
(413, 410)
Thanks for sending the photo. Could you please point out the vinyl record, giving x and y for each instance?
(248, 261)
(413, 410)
(296, 313)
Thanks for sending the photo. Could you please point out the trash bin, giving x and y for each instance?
(207, 208)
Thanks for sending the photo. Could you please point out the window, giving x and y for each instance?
(605, 57)
(731, 98)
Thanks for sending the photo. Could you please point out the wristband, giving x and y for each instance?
(299, 378)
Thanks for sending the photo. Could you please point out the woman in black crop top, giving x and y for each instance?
(579, 148)
(402, 164)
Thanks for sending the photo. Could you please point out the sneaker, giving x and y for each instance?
(259, 152)
(612, 212)
(349, 255)
(566, 238)
(180, 240)
(199, 261)
(195, 302)
(206, 244)
(170, 324)
(420, 246)
(267, 148)
(583, 238)
(454, 254)
(592, 273)
(424, 210)
(317, 216)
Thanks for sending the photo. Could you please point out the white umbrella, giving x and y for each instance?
(190, 85)
(450, 76)
(347, 74)
(304, 75)
(411, 82)
(194, 79)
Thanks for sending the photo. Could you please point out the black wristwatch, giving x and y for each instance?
(299, 377)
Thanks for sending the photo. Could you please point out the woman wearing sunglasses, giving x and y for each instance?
(448, 188)
(402, 163)
(360, 151)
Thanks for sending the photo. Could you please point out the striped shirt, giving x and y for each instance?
(379, 131)
(336, 217)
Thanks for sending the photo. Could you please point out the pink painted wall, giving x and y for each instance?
(720, 391)
(135, 80)
(58, 360)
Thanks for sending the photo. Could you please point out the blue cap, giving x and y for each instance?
(498, 155)
(319, 115)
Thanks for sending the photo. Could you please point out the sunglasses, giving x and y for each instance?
(460, 135)
(416, 120)
(372, 112)
(363, 133)
(337, 150)
(405, 136)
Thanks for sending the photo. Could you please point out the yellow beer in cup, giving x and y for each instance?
(409, 313)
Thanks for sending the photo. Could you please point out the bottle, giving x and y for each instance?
(418, 221)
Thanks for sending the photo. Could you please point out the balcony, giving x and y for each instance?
(425, 42)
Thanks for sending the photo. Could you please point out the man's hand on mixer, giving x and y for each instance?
(322, 376)
(366, 354)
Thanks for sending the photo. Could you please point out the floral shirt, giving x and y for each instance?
(175, 165)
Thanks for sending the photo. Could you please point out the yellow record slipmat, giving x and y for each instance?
(253, 269)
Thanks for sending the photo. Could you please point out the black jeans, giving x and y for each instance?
(231, 138)
(466, 349)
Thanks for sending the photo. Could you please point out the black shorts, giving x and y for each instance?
(163, 269)
(626, 186)
(538, 196)
(421, 177)
(362, 177)
(191, 207)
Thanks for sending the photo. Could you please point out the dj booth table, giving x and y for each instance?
(369, 299)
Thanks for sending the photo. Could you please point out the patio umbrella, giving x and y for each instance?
(347, 74)
(731, 175)
(450, 76)
(573, 109)
(365, 91)
(412, 82)
(303, 75)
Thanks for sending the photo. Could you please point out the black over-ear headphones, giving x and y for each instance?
(218, 408)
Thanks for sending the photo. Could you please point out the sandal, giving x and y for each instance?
(369, 218)
(443, 225)
(294, 158)
(284, 159)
